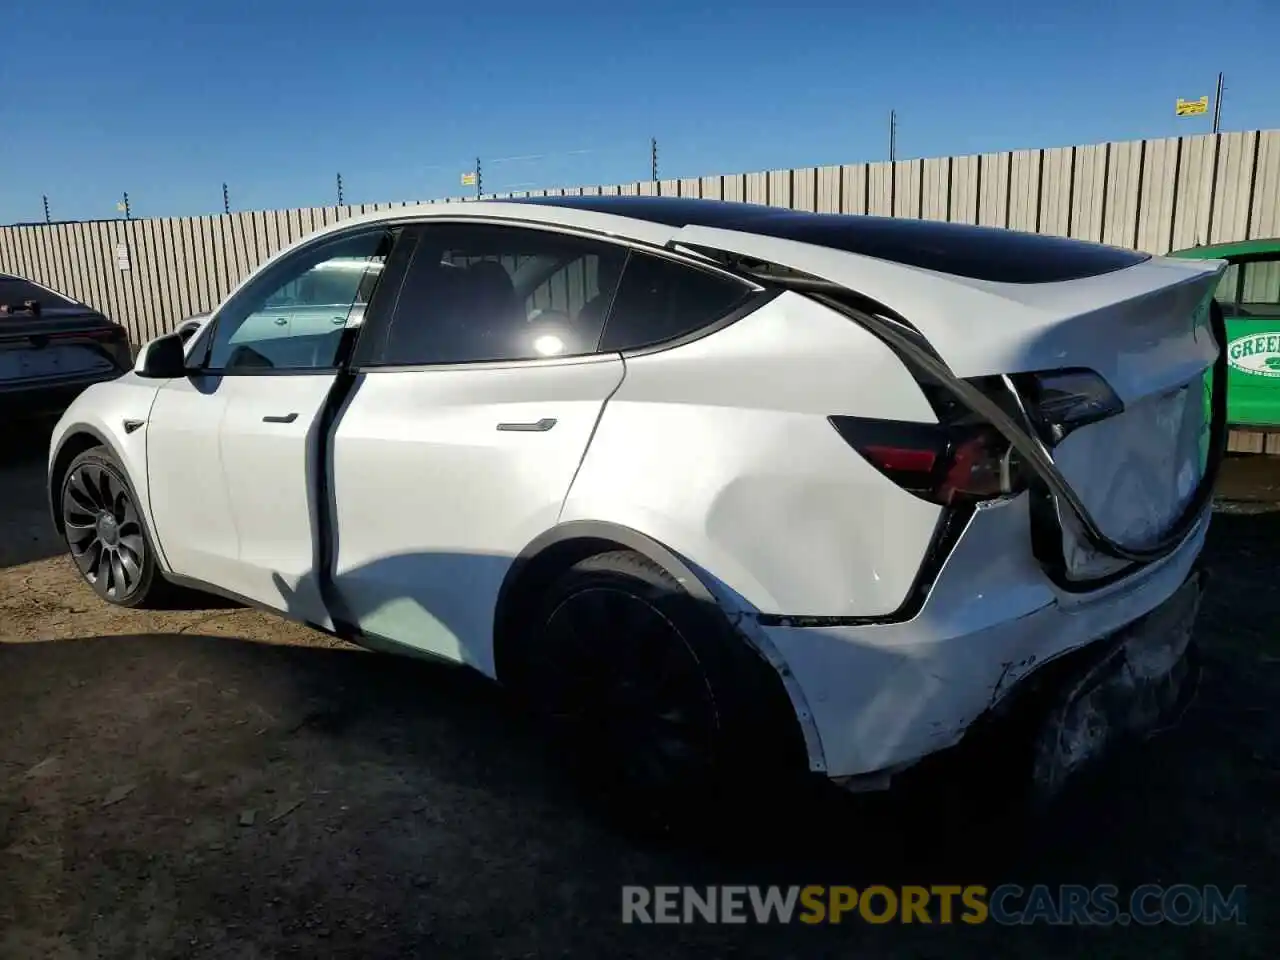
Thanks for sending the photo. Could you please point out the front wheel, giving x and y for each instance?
(104, 532)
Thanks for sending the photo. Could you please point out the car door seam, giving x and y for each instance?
(586, 448)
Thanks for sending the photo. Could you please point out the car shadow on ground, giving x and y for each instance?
(26, 529)
(245, 799)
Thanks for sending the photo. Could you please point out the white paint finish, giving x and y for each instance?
(884, 696)
(721, 450)
(230, 502)
(104, 407)
(268, 470)
(190, 505)
(434, 502)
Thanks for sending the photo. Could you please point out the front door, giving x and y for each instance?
(232, 448)
(1250, 297)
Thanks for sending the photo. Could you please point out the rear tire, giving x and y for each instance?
(104, 533)
(653, 694)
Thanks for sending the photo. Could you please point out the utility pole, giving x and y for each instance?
(226, 200)
(339, 189)
(127, 212)
(893, 135)
(46, 208)
(479, 184)
(1217, 106)
(653, 158)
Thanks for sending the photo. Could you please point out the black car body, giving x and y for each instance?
(52, 347)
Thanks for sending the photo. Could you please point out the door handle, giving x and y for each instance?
(537, 426)
(339, 319)
(281, 321)
(286, 418)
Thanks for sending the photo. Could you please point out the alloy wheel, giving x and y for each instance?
(103, 530)
(617, 671)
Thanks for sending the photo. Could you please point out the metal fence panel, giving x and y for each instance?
(1157, 195)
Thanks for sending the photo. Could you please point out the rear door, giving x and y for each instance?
(1250, 298)
(473, 405)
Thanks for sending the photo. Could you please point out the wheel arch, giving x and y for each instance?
(550, 554)
(75, 440)
(555, 551)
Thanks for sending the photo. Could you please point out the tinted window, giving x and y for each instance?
(14, 291)
(475, 293)
(293, 316)
(660, 300)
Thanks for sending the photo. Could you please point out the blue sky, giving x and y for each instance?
(168, 99)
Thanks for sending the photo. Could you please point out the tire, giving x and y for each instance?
(105, 535)
(655, 696)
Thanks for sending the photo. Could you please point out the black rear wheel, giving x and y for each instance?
(104, 532)
(654, 694)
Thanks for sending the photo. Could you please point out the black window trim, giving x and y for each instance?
(755, 295)
(347, 344)
(1272, 256)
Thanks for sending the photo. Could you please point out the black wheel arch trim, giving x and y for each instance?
(54, 492)
(604, 530)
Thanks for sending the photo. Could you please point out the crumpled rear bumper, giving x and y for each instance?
(1124, 688)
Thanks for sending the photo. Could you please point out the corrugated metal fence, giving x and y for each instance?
(1155, 195)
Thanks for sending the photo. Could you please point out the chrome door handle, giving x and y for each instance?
(286, 418)
(537, 426)
(339, 319)
(281, 321)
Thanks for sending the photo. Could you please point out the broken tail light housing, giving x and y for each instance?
(942, 463)
(1061, 401)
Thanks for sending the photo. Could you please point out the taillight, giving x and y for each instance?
(1064, 400)
(942, 463)
(112, 334)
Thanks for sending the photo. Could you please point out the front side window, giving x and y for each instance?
(293, 316)
(489, 293)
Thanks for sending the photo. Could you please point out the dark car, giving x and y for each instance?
(52, 347)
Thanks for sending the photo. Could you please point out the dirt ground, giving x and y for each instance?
(220, 783)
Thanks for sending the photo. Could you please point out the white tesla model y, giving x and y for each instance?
(719, 486)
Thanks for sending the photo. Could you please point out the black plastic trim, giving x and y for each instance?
(952, 524)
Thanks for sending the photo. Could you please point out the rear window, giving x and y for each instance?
(14, 291)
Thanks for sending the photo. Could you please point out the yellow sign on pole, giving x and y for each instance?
(469, 179)
(1191, 108)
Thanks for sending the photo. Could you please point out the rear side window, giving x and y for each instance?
(14, 291)
(476, 293)
(660, 300)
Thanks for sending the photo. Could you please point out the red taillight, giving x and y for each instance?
(940, 463)
(104, 334)
(902, 459)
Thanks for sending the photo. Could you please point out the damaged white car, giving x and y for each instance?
(723, 488)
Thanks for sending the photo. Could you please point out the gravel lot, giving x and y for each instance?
(220, 783)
